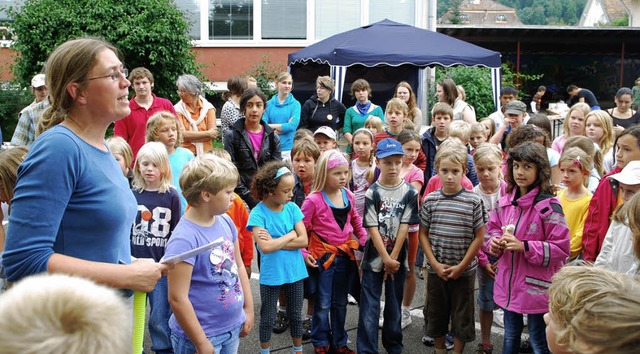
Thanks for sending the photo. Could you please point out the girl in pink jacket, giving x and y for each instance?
(530, 234)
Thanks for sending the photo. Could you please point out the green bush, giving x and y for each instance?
(265, 73)
(477, 85)
(12, 101)
(150, 33)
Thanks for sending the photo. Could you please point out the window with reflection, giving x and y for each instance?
(402, 11)
(284, 19)
(191, 11)
(231, 19)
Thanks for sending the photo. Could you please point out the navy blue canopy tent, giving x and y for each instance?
(386, 53)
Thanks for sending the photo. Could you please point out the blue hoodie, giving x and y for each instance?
(287, 114)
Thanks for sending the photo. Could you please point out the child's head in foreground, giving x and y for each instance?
(121, 150)
(389, 154)
(592, 310)
(56, 313)
(211, 180)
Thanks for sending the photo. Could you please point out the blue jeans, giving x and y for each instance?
(225, 343)
(513, 329)
(331, 300)
(370, 295)
(159, 314)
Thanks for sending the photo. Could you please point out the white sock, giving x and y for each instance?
(282, 309)
(406, 308)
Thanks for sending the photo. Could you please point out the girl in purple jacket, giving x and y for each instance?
(332, 221)
(530, 235)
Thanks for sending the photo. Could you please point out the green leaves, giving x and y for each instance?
(150, 33)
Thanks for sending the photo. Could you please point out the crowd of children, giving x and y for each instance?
(505, 209)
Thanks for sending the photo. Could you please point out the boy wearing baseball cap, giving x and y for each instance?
(616, 253)
(326, 138)
(514, 113)
(390, 206)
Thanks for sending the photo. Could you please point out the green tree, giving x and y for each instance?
(150, 33)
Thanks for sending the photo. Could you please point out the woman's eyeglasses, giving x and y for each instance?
(115, 76)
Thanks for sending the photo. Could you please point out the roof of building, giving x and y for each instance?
(483, 12)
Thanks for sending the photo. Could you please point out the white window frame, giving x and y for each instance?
(420, 20)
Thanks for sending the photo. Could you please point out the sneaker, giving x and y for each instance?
(344, 350)
(420, 273)
(498, 318)
(448, 341)
(322, 350)
(281, 323)
(351, 300)
(525, 346)
(306, 325)
(406, 318)
(484, 350)
(428, 341)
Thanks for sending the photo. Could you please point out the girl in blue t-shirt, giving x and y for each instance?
(157, 216)
(278, 229)
(163, 127)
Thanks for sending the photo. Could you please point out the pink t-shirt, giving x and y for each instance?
(256, 142)
(414, 175)
(435, 183)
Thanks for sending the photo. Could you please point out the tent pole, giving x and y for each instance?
(518, 66)
(622, 66)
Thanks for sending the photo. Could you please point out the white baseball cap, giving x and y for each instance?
(629, 175)
(37, 81)
(324, 130)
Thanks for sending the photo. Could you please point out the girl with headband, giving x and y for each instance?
(331, 219)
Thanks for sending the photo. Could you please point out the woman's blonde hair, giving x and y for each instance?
(154, 123)
(117, 145)
(580, 106)
(69, 63)
(207, 173)
(10, 159)
(487, 152)
(157, 154)
(596, 310)
(283, 76)
(322, 170)
(608, 138)
(454, 150)
(579, 158)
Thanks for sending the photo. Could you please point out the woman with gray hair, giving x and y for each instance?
(196, 116)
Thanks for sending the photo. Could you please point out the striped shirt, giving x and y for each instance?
(452, 221)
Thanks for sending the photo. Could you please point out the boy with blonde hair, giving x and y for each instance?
(461, 130)
(452, 223)
(212, 285)
(593, 311)
(56, 313)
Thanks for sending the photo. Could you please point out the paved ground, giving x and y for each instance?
(281, 343)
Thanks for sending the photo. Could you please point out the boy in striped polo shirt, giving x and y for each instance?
(452, 224)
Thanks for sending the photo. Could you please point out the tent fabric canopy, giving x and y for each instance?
(392, 43)
(389, 43)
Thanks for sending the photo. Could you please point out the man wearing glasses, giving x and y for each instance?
(143, 104)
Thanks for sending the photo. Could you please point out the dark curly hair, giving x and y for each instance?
(527, 132)
(265, 181)
(533, 152)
